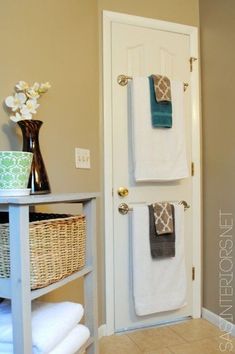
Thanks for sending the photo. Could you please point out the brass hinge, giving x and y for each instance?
(191, 60)
(193, 273)
(192, 169)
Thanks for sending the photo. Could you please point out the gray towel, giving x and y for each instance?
(164, 245)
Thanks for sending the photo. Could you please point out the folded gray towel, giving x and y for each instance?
(164, 245)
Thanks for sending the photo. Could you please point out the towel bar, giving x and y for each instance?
(123, 208)
(123, 81)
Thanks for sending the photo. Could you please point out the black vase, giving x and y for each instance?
(38, 180)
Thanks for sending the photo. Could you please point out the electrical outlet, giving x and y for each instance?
(82, 158)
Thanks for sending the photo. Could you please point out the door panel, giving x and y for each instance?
(139, 51)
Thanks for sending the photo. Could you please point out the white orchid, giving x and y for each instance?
(31, 93)
(16, 117)
(24, 102)
(22, 86)
(15, 102)
(44, 87)
(28, 109)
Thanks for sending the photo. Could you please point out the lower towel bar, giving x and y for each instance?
(123, 208)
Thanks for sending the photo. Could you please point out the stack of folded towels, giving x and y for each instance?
(55, 328)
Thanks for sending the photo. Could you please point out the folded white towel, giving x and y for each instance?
(51, 322)
(73, 342)
(158, 154)
(159, 284)
(76, 338)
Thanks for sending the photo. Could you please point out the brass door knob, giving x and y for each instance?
(123, 191)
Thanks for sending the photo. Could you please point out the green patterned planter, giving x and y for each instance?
(14, 169)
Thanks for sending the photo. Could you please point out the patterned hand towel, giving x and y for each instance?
(162, 88)
(163, 216)
(160, 246)
(161, 112)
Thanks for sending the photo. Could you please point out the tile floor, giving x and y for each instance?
(190, 337)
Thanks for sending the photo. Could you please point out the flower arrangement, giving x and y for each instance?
(24, 103)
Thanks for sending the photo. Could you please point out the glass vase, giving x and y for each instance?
(38, 179)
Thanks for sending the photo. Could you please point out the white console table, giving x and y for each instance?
(17, 287)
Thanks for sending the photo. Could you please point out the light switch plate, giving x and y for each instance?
(82, 158)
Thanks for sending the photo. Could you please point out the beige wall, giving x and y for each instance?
(180, 11)
(218, 96)
(45, 41)
(55, 41)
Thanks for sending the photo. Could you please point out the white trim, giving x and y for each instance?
(108, 19)
(102, 332)
(108, 201)
(218, 321)
(147, 22)
(197, 191)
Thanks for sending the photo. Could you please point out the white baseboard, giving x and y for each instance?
(219, 321)
(102, 332)
(213, 318)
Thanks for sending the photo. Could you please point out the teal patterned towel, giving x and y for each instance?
(161, 112)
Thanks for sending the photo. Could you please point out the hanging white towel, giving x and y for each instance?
(76, 338)
(159, 154)
(51, 323)
(158, 284)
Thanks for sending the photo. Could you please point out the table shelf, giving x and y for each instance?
(17, 287)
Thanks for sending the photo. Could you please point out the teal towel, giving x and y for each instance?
(161, 112)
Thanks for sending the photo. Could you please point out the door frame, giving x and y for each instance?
(192, 32)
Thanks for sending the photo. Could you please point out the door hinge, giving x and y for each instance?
(193, 273)
(191, 61)
(192, 169)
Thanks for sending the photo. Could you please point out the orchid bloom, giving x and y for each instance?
(44, 87)
(23, 103)
(22, 86)
(29, 108)
(15, 102)
(16, 118)
(32, 93)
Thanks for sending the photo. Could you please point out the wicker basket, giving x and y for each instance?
(57, 247)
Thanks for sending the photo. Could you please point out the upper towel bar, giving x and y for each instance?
(123, 208)
(123, 81)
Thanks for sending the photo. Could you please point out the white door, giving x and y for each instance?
(141, 51)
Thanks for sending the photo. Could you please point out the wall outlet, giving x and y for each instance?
(82, 158)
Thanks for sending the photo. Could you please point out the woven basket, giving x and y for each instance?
(57, 247)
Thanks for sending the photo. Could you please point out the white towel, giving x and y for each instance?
(159, 284)
(76, 338)
(51, 322)
(158, 154)
(73, 342)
